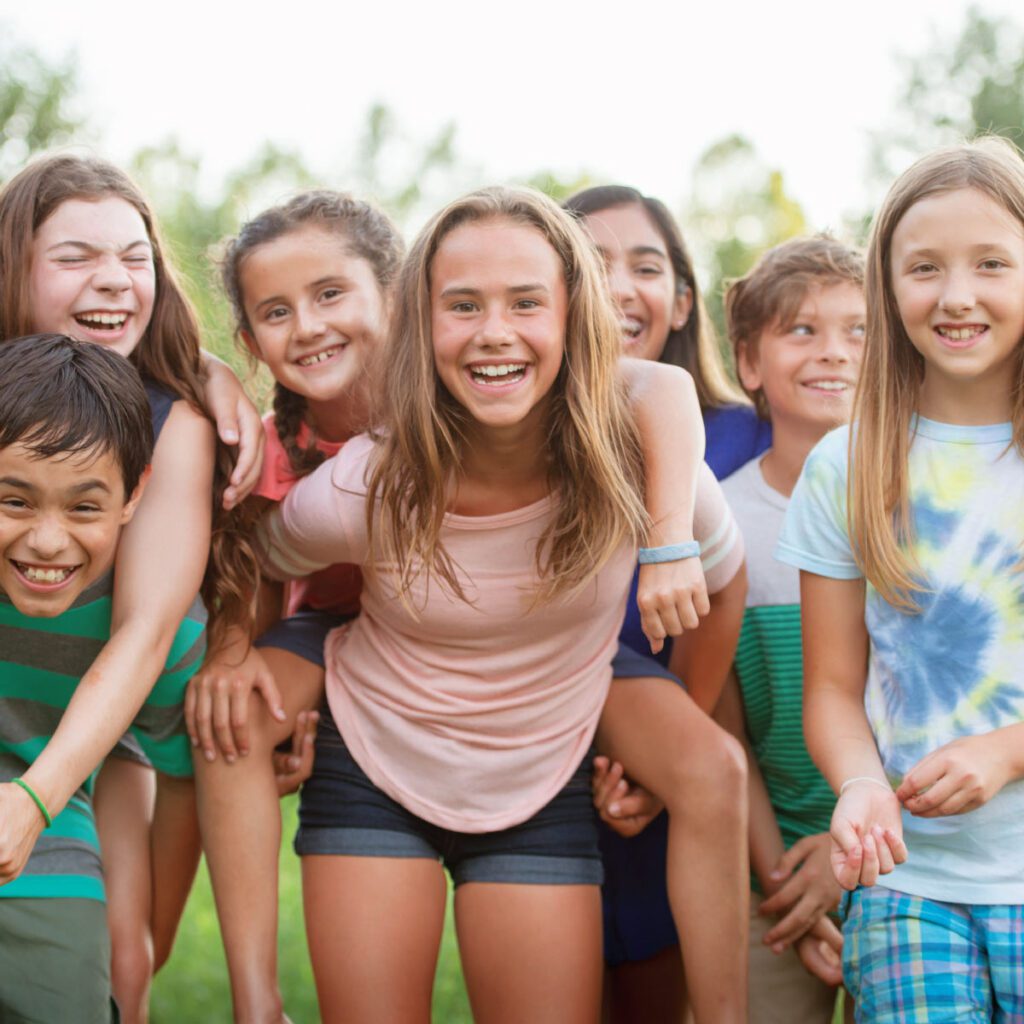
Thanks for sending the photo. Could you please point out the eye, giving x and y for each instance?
(14, 504)
(802, 330)
(331, 293)
(275, 313)
(649, 270)
(526, 304)
(88, 508)
(463, 307)
(923, 268)
(992, 264)
(858, 330)
(138, 260)
(67, 260)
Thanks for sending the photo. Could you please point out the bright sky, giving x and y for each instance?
(631, 91)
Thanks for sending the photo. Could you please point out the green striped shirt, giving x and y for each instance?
(41, 662)
(769, 663)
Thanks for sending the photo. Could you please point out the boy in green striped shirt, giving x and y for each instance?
(76, 440)
(796, 322)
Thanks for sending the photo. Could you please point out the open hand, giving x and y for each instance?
(807, 890)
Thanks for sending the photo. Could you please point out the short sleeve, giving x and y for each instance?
(721, 546)
(321, 522)
(815, 534)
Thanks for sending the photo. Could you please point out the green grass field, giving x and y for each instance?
(194, 984)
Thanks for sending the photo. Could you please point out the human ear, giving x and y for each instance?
(748, 366)
(682, 307)
(136, 496)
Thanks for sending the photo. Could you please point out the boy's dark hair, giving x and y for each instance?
(771, 293)
(59, 396)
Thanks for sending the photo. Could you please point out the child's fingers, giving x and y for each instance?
(204, 723)
(701, 601)
(792, 857)
(803, 916)
(610, 779)
(239, 711)
(653, 629)
(785, 897)
(249, 462)
(222, 722)
(846, 865)
(869, 865)
(897, 847)
(926, 804)
(267, 685)
(885, 858)
(638, 805)
(925, 773)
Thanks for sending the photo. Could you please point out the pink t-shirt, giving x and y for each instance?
(335, 589)
(472, 716)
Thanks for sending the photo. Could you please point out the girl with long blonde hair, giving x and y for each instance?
(496, 513)
(907, 529)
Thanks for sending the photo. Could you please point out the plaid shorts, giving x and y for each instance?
(907, 959)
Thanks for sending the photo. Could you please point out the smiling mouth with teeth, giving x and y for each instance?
(827, 385)
(44, 574)
(502, 373)
(631, 329)
(319, 357)
(101, 321)
(962, 333)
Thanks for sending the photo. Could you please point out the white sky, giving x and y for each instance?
(630, 91)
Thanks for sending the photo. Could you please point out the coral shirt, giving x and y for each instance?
(335, 589)
(471, 715)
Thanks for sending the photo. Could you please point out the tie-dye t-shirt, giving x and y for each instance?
(956, 668)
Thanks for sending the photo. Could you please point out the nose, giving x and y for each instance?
(833, 345)
(957, 293)
(112, 276)
(48, 538)
(495, 329)
(309, 325)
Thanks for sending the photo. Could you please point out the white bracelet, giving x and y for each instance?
(864, 778)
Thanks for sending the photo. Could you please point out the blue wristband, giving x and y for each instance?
(670, 553)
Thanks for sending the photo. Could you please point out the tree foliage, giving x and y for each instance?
(959, 86)
(739, 207)
(35, 104)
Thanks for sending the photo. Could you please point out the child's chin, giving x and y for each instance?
(47, 606)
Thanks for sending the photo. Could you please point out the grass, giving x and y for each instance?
(194, 984)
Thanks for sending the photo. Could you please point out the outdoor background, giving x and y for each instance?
(753, 123)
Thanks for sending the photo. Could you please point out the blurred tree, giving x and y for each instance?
(962, 84)
(557, 187)
(738, 208)
(36, 110)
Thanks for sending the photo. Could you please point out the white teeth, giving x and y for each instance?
(501, 370)
(828, 385)
(632, 327)
(959, 333)
(107, 319)
(37, 575)
(320, 357)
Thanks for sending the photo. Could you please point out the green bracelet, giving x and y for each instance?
(35, 799)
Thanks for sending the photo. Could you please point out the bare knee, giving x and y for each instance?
(710, 770)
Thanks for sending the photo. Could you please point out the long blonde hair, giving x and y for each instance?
(892, 370)
(594, 453)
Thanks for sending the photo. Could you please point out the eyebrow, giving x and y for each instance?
(639, 250)
(516, 289)
(85, 485)
(90, 247)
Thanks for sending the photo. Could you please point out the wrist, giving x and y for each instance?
(859, 780)
(42, 811)
(670, 552)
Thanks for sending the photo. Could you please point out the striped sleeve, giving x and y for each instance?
(721, 546)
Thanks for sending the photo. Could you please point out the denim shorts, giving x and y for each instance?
(303, 634)
(341, 812)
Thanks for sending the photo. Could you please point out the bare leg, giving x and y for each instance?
(374, 930)
(652, 990)
(699, 771)
(123, 801)
(240, 819)
(531, 952)
(175, 846)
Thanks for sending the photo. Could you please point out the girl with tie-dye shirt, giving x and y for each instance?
(908, 530)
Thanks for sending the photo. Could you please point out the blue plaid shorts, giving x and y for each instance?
(907, 959)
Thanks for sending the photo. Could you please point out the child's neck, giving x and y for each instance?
(503, 469)
(791, 444)
(341, 418)
(966, 403)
